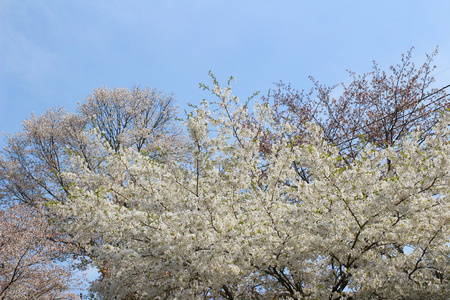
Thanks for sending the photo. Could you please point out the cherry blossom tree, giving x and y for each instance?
(32, 163)
(238, 225)
(379, 107)
(28, 252)
(33, 160)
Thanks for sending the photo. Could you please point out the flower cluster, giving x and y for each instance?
(235, 224)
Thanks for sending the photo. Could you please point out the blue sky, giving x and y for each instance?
(56, 52)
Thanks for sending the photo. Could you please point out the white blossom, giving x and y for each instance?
(234, 225)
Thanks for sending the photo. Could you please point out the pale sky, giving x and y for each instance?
(56, 52)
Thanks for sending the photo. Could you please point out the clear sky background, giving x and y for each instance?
(56, 52)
